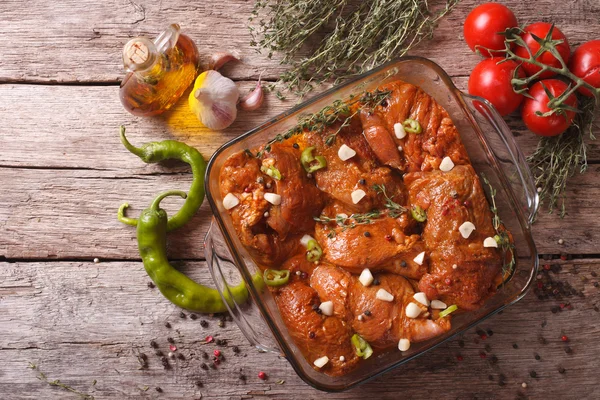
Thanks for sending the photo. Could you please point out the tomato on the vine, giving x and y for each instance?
(541, 29)
(585, 64)
(483, 24)
(491, 81)
(553, 124)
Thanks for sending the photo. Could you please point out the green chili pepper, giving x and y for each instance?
(448, 310)
(174, 285)
(310, 162)
(273, 277)
(418, 213)
(314, 251)
(271, 171)
(412, 126)
(154, 152)
(361, 347)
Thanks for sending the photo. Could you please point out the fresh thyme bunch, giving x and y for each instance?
(363, 36)
(556, 158)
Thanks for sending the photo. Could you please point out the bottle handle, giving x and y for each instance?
(167, 39)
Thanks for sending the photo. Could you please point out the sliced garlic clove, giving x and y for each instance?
(273, 198)
(326, 308)
(366, 277)
(420, 258)
(446, 164)
(412, 310)
(346, 153)
(490, 242)
(357, 195)
(399, 131)
(404, 344)
(384, 295)
(421, 298)
(230, 201)
(305, 239)
(438, 305)
(466, 229)
(321, 362)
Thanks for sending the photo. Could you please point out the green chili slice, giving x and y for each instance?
(310, 162)
(271, 171)
(361, 347)
(274, 278)
(313, 251)
(448, 311)
(412, 126)
(418, 213)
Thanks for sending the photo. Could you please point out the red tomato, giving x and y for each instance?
(483, 24)
(554, 124)
(585, 64)
(541, 29)
(491, 81)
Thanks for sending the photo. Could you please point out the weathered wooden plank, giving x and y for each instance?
(41, 129)
(81, 41)
(72, 214)
(82, 322)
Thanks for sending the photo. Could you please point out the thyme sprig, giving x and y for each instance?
(362, 36)
(42, 377)
(558, 158)
(349, 222)
(394, 209)
(331, 115)
(502, 237)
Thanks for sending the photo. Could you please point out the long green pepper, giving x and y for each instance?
(182, 291)
(154, 152)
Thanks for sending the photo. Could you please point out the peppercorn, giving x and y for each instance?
(533, 374)
(213, 365)
(193, 316)
(384, 103)
(311, 335)
(493, 359)
(515, 346)
(367, 313)
(376, 282)
(243, 378)
(315, 307)
(537, 357)
(170, 340)
(151, 285)
(204, 366)
(403, 264)
(594, 274)
(296, 146)
(143, 356)
(203, 323)
(362, 182)
(182, 315)
(158, 389)
(596, 284)
(167, 325)
(367, 234)
(564, 338)
(153, 344)
(488, 348)
(262, 375)
(561, 370)
(159, 353)
(568, 350)
(235, 349)
(490, 332)
(221, 342)
(204, 355)
(181, 356)
(388, 238)
(199, 384)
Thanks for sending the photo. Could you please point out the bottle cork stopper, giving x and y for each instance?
(137, 52)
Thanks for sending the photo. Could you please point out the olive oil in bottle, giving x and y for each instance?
(159, 71)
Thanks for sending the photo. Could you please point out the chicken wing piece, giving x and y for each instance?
(462, 271)
(381, 323)
(316, 335)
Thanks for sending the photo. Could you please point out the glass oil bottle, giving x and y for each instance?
(159, 71)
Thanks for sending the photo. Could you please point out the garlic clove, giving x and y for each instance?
(253, 100)
(213, 100)
(221, 58)
(466, 229)
(399, 131)
(446, 165)
(490, 242)
(357, 195)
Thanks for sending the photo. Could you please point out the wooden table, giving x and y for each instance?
(63, 173)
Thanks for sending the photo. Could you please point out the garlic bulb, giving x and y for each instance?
(214, 100)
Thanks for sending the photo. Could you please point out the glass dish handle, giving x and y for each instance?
(223, 270)
(511, 160)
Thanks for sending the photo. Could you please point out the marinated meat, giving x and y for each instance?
(404, 252)
(381, 323)
(462, 271)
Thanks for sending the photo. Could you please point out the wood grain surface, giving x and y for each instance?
(63, 174)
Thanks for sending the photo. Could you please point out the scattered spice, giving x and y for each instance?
(153, 344)
(376, 282)
(209, 339)
(205, 355)
(533, 374)
(159, 389)
(367, 234)
(367, 313)
(568, 350)
(296, 146)
(204, 366)
(561, 370)
(235, 349)
(182, 315)
(217, 353)
(193, 316)
(262, 375)
(181, 356)
(151, 285)
(172, 347)
(311, 335)
(170, 340)
(515, 346)
(537, 357)
(159, 353)
(167, 325)
(564, 338)
(199, 384)
(203, 323)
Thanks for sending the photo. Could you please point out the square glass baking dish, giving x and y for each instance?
(493, 152)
